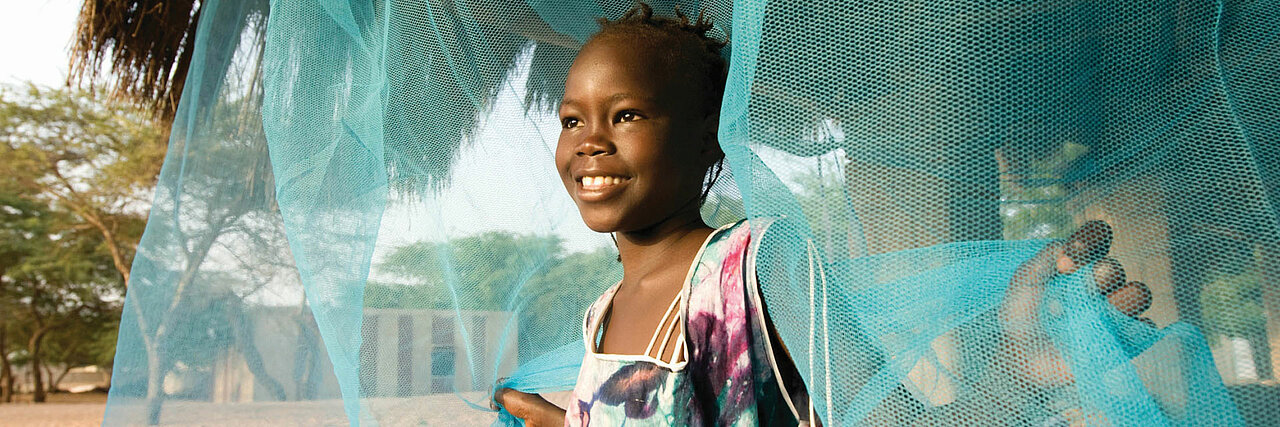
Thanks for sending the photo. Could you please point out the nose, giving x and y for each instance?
(596, 143)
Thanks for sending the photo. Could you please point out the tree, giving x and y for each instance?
(21, 220)
(1037, 211)
(822, 198)
(482, 269)
(97, 159)
(1233, 306)
(218, 197)
(224, 201)
(64, 282)
(79, 170)
(498, 271)
(89, 338)
(569, 285)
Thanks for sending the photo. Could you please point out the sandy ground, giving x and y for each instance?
(62, 409)
(87, 410)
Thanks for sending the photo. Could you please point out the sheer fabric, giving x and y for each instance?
(359, 222)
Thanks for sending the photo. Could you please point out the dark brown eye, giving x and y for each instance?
(569, 122)
(628, 116)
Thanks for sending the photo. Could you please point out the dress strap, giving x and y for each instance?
(678, 355)
(671, 320)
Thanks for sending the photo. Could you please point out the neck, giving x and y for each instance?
(651, 250)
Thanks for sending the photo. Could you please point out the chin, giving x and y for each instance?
(601, 222)
(601, 226)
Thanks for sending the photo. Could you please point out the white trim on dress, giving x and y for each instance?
(593, 326)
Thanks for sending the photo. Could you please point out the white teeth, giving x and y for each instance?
(600, 181)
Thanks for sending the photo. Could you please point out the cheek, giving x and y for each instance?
(682, 166)
(562, 156)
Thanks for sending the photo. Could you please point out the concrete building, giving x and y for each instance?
(404, 352)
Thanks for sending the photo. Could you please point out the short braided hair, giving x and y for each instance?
(690, 44)
(684, 42)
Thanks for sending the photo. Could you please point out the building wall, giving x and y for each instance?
(405, 352)
(416, 352)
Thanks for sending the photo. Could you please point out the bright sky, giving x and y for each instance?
(34, 38)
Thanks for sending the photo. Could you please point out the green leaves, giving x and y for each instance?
(76, 174)
(73, 144)
(499, 271)
(484, 268)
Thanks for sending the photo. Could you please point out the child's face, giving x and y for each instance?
(635, 140)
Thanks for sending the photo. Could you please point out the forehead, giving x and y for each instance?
(609, 65)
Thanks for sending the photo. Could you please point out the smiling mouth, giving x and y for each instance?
(600, 182)
(600, 188)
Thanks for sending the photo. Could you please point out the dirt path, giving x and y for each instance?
(87, 410)
(62, 409)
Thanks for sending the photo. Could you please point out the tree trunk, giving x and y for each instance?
(53, 382)
(108, 236)
(156, 366)
(37, 379)
(306, 367)
(6, 385)
(249, 349)
(48, 380)
(6, 370)
(66, 367)
(155, 385)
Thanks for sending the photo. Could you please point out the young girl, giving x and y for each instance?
(684, 338)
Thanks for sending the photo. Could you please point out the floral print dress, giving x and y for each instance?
(729, 375)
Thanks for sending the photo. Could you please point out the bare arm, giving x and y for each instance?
(532, 408)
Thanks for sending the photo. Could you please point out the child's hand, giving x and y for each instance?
(532, 408)
(1029, 350)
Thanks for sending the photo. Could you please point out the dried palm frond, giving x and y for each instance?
(145, 46)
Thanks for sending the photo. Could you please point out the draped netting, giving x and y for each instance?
(359, 221)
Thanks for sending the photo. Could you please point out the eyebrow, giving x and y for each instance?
(613, 99)
(621, 97)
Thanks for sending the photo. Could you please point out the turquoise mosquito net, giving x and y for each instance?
(359, 222)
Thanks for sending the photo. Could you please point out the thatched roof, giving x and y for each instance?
(144, 47)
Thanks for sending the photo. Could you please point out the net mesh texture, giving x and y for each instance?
(359, 220)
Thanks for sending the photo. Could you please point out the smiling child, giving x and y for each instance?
(684, 338)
